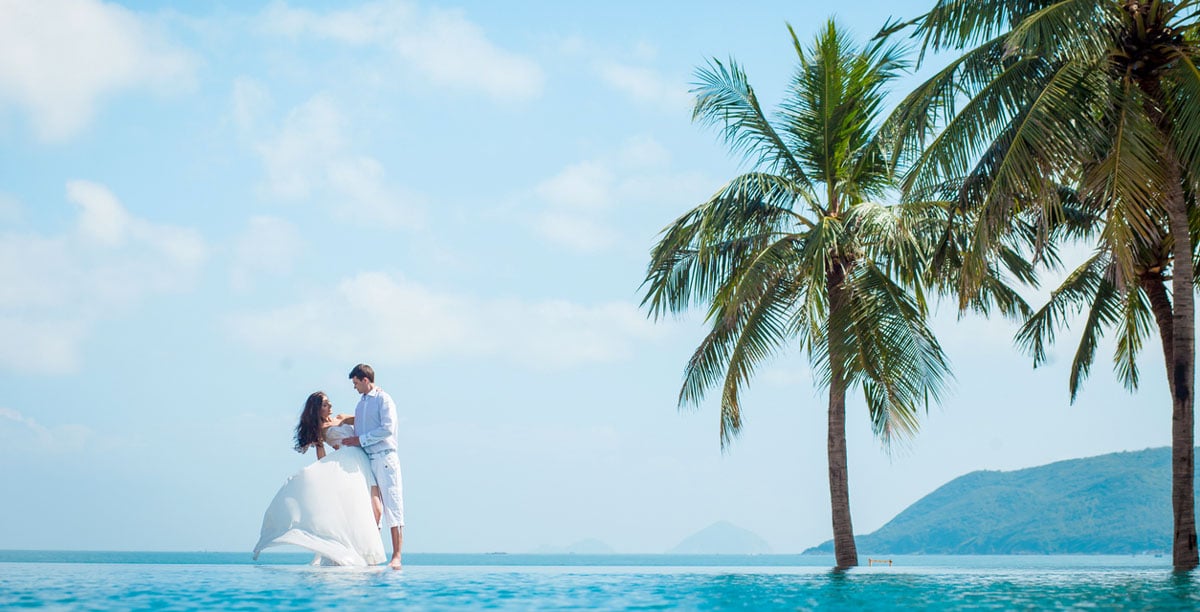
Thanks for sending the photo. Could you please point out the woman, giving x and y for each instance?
(327, 507)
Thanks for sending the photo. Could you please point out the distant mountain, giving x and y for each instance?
(721, 538)
(589, 546)
(1112, 504)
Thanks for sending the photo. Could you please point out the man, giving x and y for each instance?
(375, 432)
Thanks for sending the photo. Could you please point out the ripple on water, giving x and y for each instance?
(125, 586)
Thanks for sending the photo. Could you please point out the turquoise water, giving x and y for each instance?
(129, 580)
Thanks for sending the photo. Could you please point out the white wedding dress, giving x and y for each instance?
(326, 508)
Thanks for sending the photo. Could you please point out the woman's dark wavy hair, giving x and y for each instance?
(308, 430)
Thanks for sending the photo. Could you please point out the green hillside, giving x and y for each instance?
(1111, 504)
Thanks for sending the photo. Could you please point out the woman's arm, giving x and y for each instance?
(344, 419)
(320, 451)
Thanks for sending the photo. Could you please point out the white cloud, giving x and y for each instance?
(578, 232)
(644, 51)
(54, 288)
(578, 205)
(629, 70)
(297, 157)
(585, 186)
(400, 321)
(309, 157)
(572, 45)
(19, 432)
(250, 101)
(268, 245)
(576, 201)
(646, 86)
(11, 209)
(643, 153)
(60, 58)
(102, 219)
(41, 344)
(441, 44)
(364, 195)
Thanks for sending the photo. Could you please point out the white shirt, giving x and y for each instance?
(375, 421)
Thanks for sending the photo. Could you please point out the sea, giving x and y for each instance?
(66, 580)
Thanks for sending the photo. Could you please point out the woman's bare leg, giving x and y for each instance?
(377, 504)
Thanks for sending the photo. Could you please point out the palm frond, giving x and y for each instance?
(1078, 289)
(993, 104)
(821, 245)
(1103, 312)
(763, 334)
(955, 24)
(895, 237)
(1068, 28)
(1183, 90)
(784, 256)
(1132, 329)
(895, 356)
(725, 99)
(1017, 265)
(835, 95)
(1129, 179)
(744, 333)
(997, 295)
(697, 253)
(1045, 136)
(934, 102)
(1176, 14)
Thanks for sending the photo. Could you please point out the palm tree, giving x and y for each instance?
(1100, 96)
(796, 250)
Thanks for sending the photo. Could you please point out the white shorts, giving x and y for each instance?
(386, 467)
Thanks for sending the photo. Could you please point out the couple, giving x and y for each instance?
(334, 507)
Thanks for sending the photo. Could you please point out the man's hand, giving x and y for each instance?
(350, 441)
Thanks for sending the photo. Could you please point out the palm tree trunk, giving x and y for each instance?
(1160, 305)
(1182, 504)
(1182, 367)
(844, 550)
(1182, 463)
(1182, 373)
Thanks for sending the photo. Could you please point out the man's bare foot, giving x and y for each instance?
(395, 564)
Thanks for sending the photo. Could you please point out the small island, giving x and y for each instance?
(1119, 503)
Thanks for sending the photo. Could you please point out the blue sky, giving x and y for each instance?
(210, 210)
